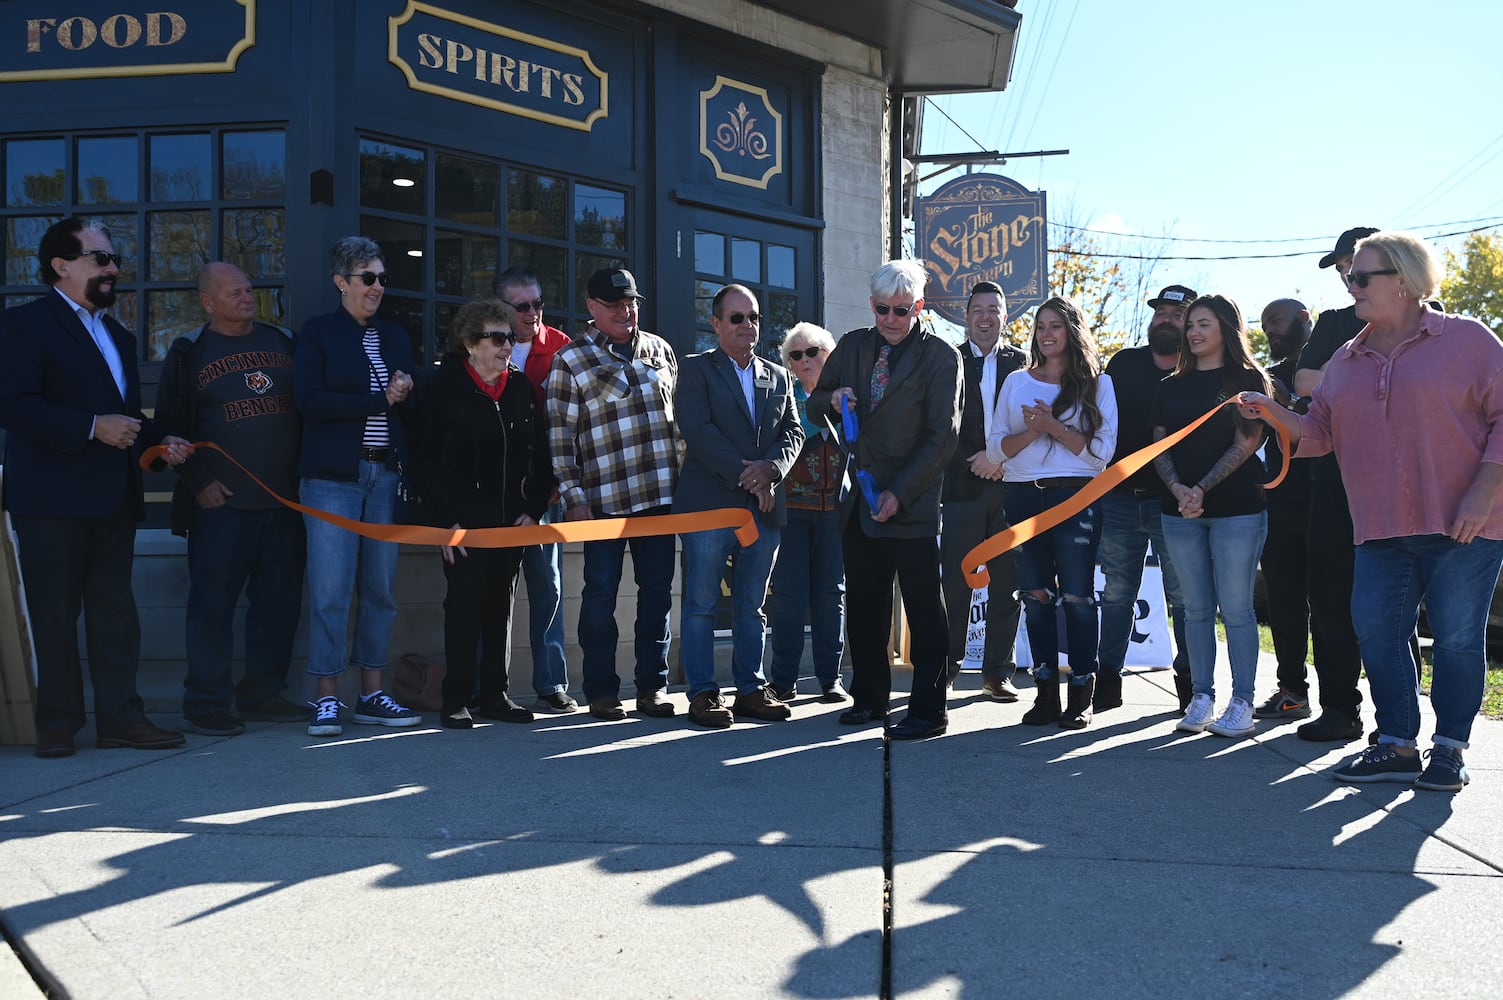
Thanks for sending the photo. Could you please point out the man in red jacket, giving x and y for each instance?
(542, 565)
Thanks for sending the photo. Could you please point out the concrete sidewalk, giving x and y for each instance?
(574, 858)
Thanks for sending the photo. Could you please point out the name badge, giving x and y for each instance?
(762, 383)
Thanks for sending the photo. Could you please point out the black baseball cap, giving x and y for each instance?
(1173, 295)
(612, 284)
(1347, 244)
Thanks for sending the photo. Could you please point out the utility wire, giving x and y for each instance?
(936, 107)
(1252, 256)
(1288, 239)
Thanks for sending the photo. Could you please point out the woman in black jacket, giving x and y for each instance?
(481, 462)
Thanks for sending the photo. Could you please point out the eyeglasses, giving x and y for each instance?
(370, 278)
(736, 319)
(101, 257)
(536, 305)
(508, 336)
(809, 352)
(883, 310)
(621, 305)
(1361, 278)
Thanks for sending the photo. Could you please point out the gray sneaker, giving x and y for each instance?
(1379, 763)
(1445, 771)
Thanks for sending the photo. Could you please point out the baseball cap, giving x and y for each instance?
(1174, 295)
(612, 284)
(1347, 244)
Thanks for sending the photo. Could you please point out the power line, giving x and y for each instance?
(1253, 256)
(952, 121)
(1287, 239)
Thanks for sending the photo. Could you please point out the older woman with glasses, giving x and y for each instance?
(810, 572)
(1412, 407)
(350, 381)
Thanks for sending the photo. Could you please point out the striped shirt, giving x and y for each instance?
(377, 433)
(611, 427)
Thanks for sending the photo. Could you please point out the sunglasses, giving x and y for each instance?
(370, 278)
(809, 352)
(536, 305)
(1361, 278)
(883, 310)
(508, 336)
(101, 257)
(736, 319)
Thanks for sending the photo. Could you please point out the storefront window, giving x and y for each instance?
(34, 172)
(255, 165)
(108, 170)
(392, 178)
(181, 167)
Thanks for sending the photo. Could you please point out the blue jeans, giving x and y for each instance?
(261, 553)
(543, 569)
(1456, 582)
(1061, 562)
(809, 574)
(652, 564)
(342, 564)
(705, 553)
(1127, 525)
(1217, 560)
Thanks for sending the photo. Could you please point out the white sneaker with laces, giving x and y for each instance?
(325, 721)
(1199, 715)
(1237, 720)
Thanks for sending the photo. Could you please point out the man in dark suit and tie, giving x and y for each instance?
(736, 415)
(70, 404)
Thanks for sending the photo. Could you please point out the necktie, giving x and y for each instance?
(880, 374)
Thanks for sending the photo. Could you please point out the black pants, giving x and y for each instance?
(73, 565)
(1286, 576)
(871, 564)
(1338, 663)
(967, 523)
(477, 624)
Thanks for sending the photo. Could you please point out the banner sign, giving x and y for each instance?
(91, 39)
(983, 227)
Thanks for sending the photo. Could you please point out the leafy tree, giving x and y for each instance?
(1474, 282)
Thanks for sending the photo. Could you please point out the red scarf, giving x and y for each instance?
(493, 392)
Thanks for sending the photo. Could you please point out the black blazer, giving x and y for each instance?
(53, 381)
(960, 483)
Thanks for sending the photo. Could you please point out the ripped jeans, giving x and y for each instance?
(1062, 564)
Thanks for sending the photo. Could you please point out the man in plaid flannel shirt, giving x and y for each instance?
(616, 454)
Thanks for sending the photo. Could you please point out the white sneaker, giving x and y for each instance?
(1200, 713)
(1237, 720)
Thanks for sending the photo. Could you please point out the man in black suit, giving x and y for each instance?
(736, 415)
(70, 403)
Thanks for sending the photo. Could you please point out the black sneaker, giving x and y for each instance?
(1379, 763)
(1284, 704)
(1331, 727)
(215, 724)
(1445, 771)
(380, 709)
(557, 703)
(503, 709)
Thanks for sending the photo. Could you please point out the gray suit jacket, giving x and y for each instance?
(718, 432)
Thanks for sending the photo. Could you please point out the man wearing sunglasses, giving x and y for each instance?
(902, 383)
(70, 403)
(542, 565)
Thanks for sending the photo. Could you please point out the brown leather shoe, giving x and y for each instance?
(141, 736)
(760, 704)
(608, 709)
(708, 709)
(1000, 689)
(55, 743)
(655, 704)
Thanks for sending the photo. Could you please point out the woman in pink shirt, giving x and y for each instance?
(1412, 408)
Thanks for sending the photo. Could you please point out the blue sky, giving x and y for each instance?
(1250, 121)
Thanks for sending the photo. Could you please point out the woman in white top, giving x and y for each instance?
(1054, 428)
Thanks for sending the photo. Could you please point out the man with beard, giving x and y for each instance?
(70, 403)
(1286, 324)
(1130, 513)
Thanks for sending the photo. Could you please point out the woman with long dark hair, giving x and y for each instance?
(1216, 517)
(1055, 427)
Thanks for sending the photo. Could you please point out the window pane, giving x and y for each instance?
(22, 237)
(705, 340)
(127, 243)
(407, 313)
(108, 171)
(443, 320)
(586, 264)
(34, 172)
(464, 264)
(709, 253)
(535, 204)
(600, 217)
(746, 260)
(181, 167)
(124, 310)
(402, 248)
(255, 240)
(468, 191)
(170, 315)
(782, 315)
(781, 269)
(548, 264)
(392, 178)
(180, 244)
(255, 165)
(271, 305)
(704, 298)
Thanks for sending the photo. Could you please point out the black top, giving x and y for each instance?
(1294, 491)
(1135, 376)
(1334, 328)
(960, 483)
(1180, 401)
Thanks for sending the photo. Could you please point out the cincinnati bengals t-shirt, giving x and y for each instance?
(243, 388)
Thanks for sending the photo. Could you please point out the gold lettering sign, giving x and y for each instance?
(74, 45)
(451, 55)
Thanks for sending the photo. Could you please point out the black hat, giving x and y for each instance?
(1174, 295)
(612, 284)
(1347, 245)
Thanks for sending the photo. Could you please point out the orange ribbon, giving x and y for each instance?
(1109, 478)
(595, 530)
